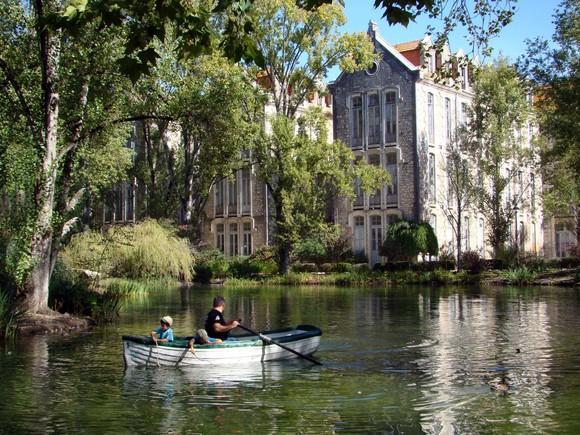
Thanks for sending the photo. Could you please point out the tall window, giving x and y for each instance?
(359, 200)
(392, 189)
(119, 204)
(359, 235)
(464, 113)
(391, 117)
(432, 177)
(464, 77)
(465, 233)
(376, 238)
(565, 240)
(448, 119)
(130, 198)
(431, 117)
(356, 122)
(533, 192)
(247, 242)
(481, 238)
(233, 239)
(233, 196)
(246, 186)
(220, 238)
(220, 197)
(375, 198)
(374, 117)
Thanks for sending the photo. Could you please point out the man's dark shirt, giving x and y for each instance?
(213, 317)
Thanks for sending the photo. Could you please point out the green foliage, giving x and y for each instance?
(499, 110)
(200, 115)
(304, 267)
(210, 265)
(426, 239)
(246, 267)
(400, 242)
(519, 276)
(554, 71)
(146, 250)
(311, 250)
(10, 314)
(152, 251)
(302, 175)
(405, 240)
(299, 47)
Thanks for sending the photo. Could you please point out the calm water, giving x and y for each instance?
(398, 360)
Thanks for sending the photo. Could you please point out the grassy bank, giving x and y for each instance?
(358, 279)
(518, 276)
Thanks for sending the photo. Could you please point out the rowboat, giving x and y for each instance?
(303, 339)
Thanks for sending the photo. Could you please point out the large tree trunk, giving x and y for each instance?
(36, 284)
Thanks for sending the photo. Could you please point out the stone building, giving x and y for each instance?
(396, 115)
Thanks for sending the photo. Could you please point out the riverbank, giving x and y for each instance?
(53, 323)
(521, 276)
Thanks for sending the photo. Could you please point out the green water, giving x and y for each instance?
(398, 360)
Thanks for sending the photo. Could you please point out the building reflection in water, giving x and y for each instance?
(476, 341)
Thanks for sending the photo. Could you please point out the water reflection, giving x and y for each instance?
(396, 360)
(497, 339)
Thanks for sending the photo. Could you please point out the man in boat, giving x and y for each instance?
(215, 324)
(164, 332)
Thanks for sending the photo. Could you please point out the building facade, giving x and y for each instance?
(397, 115)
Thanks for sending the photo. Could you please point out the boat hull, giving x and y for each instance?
(140, 351)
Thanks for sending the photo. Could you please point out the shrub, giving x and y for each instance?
(328, 267)
(209, 265)
(246, 267)
(153, 251)
(304, 267)
(344, 267)
(145, 250)
(359, 258)
(405, 240)
(90, 250)
(265, 253)
(508, 257)
(471, 261)
(519, 276)
(361, 267)
(535, 264)
(311, 250)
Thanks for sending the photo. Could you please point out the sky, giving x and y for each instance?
(533, 18)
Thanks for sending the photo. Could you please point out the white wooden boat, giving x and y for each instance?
(246, 348)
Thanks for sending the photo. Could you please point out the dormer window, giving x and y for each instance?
(432, 61)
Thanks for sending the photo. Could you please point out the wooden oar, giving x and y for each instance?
(267, 339)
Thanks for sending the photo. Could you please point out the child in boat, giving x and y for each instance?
(201, 337)
(164, 332)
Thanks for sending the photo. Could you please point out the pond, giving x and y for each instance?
(396, 360)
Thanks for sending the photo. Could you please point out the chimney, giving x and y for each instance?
(373, 29)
